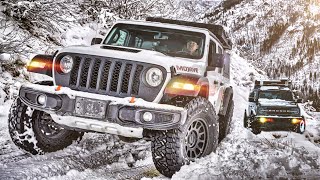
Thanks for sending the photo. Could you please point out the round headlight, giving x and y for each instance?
(66, 64)
(154, 77)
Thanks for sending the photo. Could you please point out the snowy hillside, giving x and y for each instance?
(241, 155)
(270, 37)
(279, 37)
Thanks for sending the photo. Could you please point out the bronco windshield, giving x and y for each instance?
(282, 95)
(171, 42)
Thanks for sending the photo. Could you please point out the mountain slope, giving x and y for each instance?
(280, 37)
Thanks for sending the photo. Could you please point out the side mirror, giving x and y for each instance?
(299, 100)
(251, 99)
(217, 61)
(96, 41)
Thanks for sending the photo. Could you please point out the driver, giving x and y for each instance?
(192, 48)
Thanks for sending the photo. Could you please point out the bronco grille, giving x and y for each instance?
(118, 77)
(279, 111)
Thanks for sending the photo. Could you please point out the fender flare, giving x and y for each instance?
(227, 96)
(202, 84)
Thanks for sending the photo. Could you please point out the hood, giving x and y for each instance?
(276, 103)
(182, 65)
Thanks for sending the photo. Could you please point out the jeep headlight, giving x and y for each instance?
(154, 77)
(66, 64)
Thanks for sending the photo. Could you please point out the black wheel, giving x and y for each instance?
(35, 132)
(255, 130)
(225, 121)
(245, 119)
(197, 137)
(301, 127)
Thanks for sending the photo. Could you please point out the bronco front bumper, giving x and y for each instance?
(101, 113)
(277, 123)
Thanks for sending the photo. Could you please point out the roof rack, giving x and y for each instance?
(280, 83)
(217, 30)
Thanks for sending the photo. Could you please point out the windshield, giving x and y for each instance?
(283, 95)
(171, 42)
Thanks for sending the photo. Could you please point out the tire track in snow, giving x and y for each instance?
(92, 153)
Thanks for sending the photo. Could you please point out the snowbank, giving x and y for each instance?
(243, 73)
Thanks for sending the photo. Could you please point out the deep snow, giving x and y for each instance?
(241, 155)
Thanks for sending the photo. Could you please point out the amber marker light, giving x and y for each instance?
(58, 88)
(36, 64)
(262, 120)
(295, 121)
(185, 86)
(132, 100)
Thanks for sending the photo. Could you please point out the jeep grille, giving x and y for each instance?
(116, 77)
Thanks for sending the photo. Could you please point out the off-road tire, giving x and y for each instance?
(300, 129)
(170, 148)
(225, 121)
(25, 130)
(255, 130)
(245, 119)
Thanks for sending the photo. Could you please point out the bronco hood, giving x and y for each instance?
(276, 103)
(182, 65)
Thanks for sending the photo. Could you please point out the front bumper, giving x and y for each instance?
(278, 123)
(116, 115)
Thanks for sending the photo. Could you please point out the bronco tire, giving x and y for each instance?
(225, 121)
(35, 132)
(301, 127)
(197, 137)
(255, 130)
(245, 119)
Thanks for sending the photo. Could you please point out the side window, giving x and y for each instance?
(118, 38)
(212, 51)
(220, 50)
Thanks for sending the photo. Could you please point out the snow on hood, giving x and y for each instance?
(183, 65)
(276, 102)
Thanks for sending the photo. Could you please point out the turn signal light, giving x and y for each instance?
(37, 64)
(185, 86)
(264, 120)
(295, 121)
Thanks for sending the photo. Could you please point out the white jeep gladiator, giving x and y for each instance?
(167, 81)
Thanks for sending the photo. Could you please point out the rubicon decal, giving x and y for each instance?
(187, 69)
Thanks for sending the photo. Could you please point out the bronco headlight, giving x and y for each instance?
(66, 64)
(154, 77)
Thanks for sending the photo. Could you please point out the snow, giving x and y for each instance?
(265, 88)
(5, 57)
(242, 155)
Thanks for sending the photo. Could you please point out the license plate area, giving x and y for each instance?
(91, 108)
